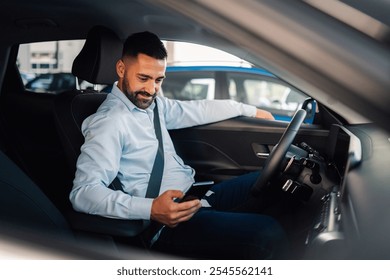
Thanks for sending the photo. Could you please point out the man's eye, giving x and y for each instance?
(143, 79)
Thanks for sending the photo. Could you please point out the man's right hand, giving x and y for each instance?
(168, 212)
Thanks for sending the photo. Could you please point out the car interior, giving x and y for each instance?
(323, 181)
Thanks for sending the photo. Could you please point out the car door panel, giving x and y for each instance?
(230, 148)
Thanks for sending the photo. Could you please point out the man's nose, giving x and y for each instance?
(151, 87)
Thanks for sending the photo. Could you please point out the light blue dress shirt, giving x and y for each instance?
(120, 141)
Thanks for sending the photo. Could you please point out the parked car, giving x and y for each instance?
(335, 169)
(26, 77)
(52, 82)
(252, 86)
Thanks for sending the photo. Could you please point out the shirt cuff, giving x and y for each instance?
(142, 208)
(248, 110)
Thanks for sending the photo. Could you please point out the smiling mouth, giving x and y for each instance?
(145, 99)
(146, 95)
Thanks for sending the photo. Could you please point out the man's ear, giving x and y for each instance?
(120, 68)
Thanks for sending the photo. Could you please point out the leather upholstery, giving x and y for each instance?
(97, 59)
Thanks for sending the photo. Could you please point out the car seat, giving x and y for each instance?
(23, 203)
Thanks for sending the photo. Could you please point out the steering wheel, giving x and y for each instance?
(274, 160)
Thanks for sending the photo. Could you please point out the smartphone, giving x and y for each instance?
(197, 191)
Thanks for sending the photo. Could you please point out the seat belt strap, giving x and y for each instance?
(158, 166)
(153, 232)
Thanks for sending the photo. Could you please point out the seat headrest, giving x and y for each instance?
(96, 61)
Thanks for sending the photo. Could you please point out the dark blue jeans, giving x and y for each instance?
(220, 232)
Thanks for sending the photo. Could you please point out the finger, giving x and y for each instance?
(173, 225)
(182, 216)
(185, 215)
(173, 194)
(188, 204)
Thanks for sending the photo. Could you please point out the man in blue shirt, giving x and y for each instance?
(120, 141)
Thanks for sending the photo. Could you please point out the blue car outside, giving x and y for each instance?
(249, 85)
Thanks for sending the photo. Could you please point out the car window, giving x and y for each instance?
(199, 89)
(46, 66)
(264, 91)
(200, 72)
(189, 85)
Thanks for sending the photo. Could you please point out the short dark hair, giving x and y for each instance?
(146, 43)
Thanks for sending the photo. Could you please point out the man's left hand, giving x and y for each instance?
(262, 114)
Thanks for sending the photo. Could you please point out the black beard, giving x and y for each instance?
(132, 96)
(142, 104)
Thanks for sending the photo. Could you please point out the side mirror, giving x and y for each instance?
(310, 106)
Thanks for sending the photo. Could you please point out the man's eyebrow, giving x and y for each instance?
(148, 76)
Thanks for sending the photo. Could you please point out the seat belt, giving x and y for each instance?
(152, 232)
(153, 190)
(158, 166)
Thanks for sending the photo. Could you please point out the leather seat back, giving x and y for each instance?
(96, 63)
(72, 108)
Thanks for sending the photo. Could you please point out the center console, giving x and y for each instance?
(326, 234)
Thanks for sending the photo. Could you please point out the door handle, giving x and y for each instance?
(262, 155)
(261, 150)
